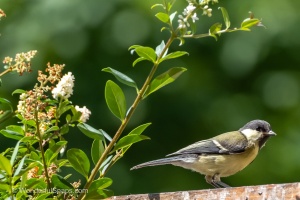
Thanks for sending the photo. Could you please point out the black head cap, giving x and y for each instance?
(258, 125)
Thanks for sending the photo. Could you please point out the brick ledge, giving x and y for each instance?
(260, 192)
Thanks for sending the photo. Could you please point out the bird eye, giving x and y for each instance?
(260, 129)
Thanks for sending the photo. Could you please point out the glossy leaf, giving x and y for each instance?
(20, 171)
(11, 134)
(43, 196)
(20, 165)
(115, 99)
(97, 185)
(164, 79)
(97, 150)
(137, 131)
(129, 140)
(157, 5)
(162, 17)
(248, 23)
(5, 165)
(121, 77)
(106, 135)
(79, 161)
(63, 107)
(160, 48)
(105, 193)
(14, 154)
(18, 91)
(15, 128)
(214, 29)
(4, 186)
(172, 16)
(173, 55)
(146, 53)
(138, 60)
(52, 152)
(105, 164)
(6, 102)
(90, 131)
(225, 17)
(53, 128)
(60, 183)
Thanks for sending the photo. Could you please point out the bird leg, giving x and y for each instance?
(215, 181)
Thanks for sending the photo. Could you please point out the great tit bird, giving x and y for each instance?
(222, 155)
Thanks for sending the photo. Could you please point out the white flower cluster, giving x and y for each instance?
(186, 14)
(206, 2)
(85, 113)
(64, 88)
(207, 11)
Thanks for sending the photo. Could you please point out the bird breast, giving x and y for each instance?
(224, 165)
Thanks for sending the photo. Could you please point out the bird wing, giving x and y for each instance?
(226, 143)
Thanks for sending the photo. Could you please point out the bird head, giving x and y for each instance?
(257, 131)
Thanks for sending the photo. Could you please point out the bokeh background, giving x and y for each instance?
(241, 77)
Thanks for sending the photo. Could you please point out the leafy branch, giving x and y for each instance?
(45, 119)
(115, 97)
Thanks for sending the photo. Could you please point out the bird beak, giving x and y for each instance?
(271, 133)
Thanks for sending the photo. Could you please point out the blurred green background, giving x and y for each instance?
(241, 77)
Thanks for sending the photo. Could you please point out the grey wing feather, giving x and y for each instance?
(212, 146)
(201, 147)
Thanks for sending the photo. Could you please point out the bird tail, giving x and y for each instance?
(165, 161)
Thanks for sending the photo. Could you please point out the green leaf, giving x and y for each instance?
(52, 152)
(146, 53)
(97, 150)
(96, 185)
(106, 135)
(14, 154)
(105, 193)
(5, 165)
(15, 128)
(64, 129)
(53, 128)
(173, 55)
(4, 186)
(105, 164)
(157, 5)
(121, 77)
(129, 140)
(137, 131)
(7, 102)
(36, 183)
(90, 131)
(163, 17)
(164, 79)
(115, 99)
(248, 23)
(20, 165)
(138, 60)
(18, 91)
(214, 29)
(160, 48)
(43, 196)
(11, 134)
(20, 172)
(63, 107)
(225, 17)
(172, 16)
(60, 183)
(79, 161)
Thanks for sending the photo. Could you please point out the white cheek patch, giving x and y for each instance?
(251, 135)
